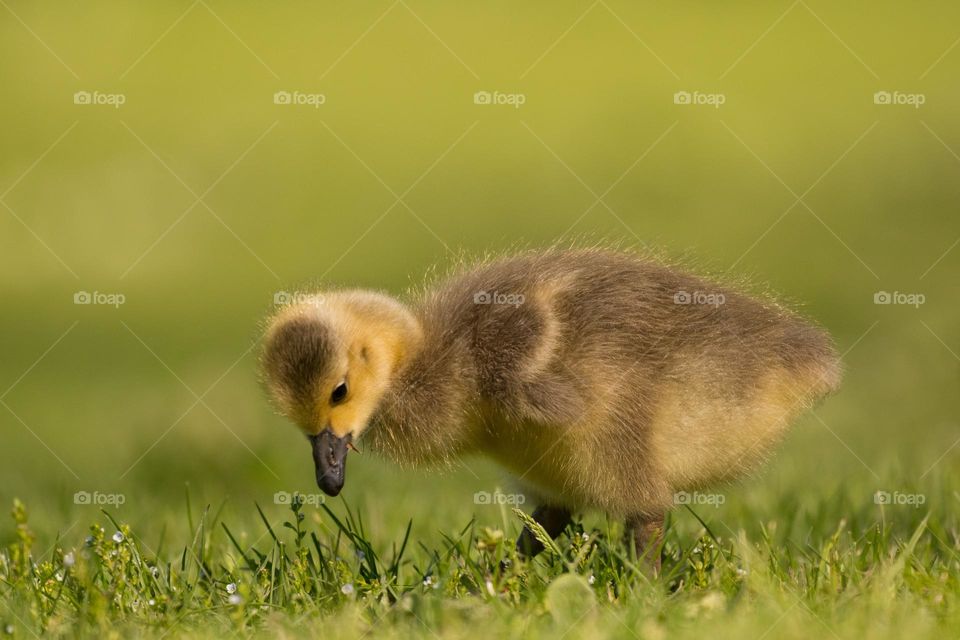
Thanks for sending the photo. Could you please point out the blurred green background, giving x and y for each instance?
(105, 199)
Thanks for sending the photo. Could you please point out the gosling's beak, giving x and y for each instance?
(330, 459)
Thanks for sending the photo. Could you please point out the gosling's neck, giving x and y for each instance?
(424, 414)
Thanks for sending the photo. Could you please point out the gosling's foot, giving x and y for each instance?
(645, 533)
(553, 520)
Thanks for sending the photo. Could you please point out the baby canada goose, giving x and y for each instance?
(597, 379)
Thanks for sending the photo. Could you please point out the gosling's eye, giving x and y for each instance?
(339, 393)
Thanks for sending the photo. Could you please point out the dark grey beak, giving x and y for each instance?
(330, 460)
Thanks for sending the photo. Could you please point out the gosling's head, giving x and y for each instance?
(327, 362)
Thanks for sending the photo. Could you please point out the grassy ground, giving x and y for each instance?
(829, 569)
(199, 200)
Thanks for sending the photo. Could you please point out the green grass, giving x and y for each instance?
(828, 572)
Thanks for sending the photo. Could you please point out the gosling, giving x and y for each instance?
(598, 379)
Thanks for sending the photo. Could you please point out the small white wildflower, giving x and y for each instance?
(584, 536)
(232, 588)
(69, 559)
(59, 576)
(151, 602)
(347, 589)
(235, 599)
(592, 579)
(428, 581)
(155, 571)
(713, 601)
(118, 537)
(8, 629)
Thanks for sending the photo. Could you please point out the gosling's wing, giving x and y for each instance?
(520, 345)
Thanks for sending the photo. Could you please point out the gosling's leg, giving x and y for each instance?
(645, 533)
(553, 520)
